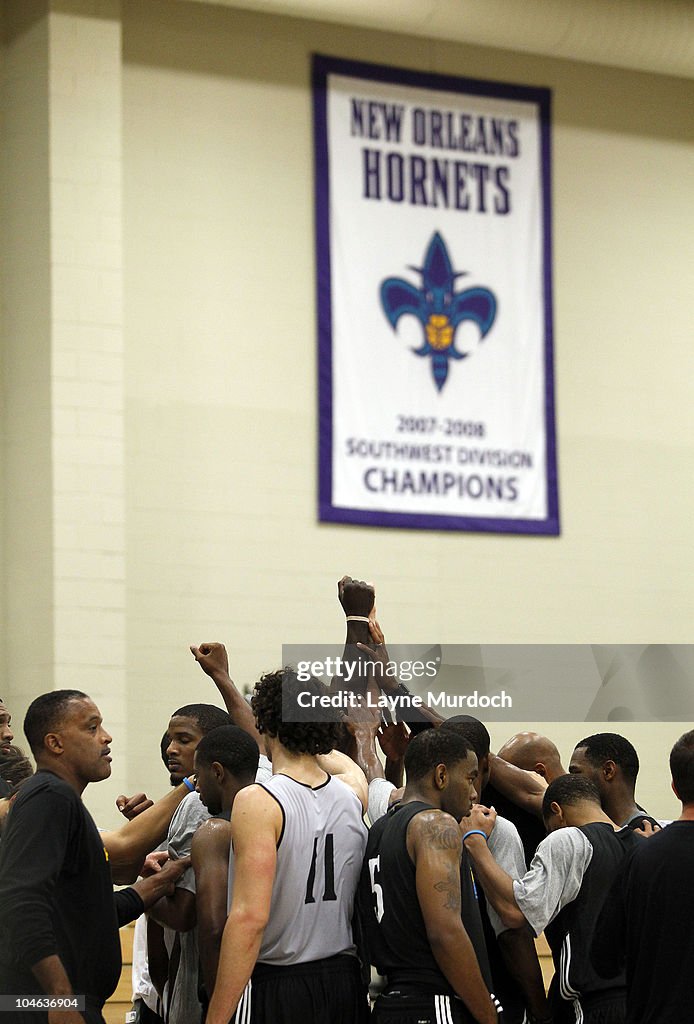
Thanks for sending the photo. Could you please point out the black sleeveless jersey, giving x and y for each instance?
(392, 919)
(570, 934)
(639, 819)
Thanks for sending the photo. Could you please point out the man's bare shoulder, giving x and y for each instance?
(433, 831)
(255, 803)
(256, 793)
(212, 838)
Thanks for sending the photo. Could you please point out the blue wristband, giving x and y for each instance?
(476, 832)
(189, 784)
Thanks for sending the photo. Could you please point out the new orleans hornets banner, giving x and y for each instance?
(434, 301)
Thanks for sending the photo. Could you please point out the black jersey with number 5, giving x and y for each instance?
(393, 924)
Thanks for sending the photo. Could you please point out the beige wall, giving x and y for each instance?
(26, 571)
(218, 382)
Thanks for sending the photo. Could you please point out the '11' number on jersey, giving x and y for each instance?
(329, 871)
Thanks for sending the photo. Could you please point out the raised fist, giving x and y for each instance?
(356, 596)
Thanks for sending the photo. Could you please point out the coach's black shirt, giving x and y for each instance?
(56, 893)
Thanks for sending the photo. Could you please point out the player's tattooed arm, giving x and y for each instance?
(437, 830)
(449, 888)
(434, 842)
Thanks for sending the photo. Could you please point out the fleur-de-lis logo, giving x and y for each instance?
(438, 307)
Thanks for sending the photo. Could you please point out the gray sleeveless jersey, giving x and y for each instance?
(319, 860)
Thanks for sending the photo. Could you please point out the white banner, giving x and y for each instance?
(434, 301)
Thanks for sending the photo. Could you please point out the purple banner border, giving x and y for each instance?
(327, 512)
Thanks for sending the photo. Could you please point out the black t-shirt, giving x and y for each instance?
(56, 893)
(647, 922)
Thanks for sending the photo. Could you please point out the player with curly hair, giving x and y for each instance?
(288, 954)
(319, 736)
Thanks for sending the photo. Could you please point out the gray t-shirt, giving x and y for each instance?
(506, 848)
(554, 877)
(379, 799)
(189, 816)
(184, 1005)
(264, 773)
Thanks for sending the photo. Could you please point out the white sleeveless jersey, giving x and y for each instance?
(319, 858)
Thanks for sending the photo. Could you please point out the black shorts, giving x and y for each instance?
(604, 1011)
(601, 1008)
(327, 991)
(403, 1005)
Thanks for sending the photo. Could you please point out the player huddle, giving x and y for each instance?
(264, 897)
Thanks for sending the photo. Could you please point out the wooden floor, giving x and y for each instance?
(120, 1002)
(545, 958)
